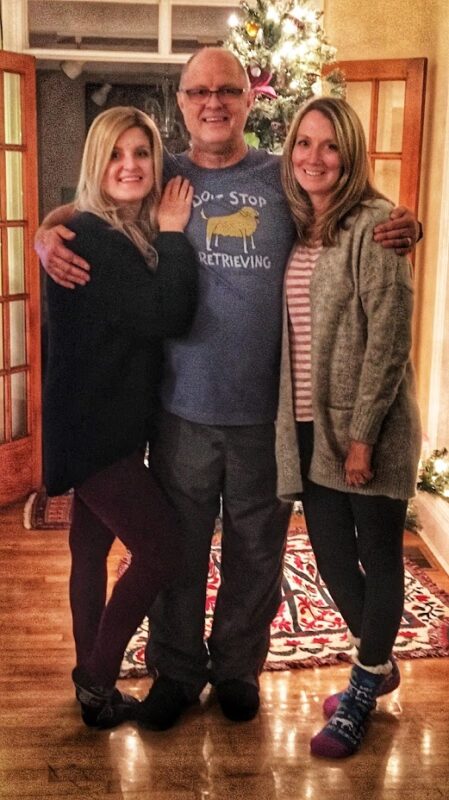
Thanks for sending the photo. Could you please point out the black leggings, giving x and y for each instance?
(357, 541)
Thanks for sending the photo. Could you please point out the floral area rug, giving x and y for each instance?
(308, 631)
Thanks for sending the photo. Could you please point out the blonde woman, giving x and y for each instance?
(100, 397)
(347, 399)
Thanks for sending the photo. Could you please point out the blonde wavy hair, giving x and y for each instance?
(354, 185)
(90, 195)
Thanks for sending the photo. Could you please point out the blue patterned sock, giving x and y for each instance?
(390, 682)
(345, 730)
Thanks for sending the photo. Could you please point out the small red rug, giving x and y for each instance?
(47, 513)
(308, 631)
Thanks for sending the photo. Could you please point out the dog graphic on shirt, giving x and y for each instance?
(242, 224)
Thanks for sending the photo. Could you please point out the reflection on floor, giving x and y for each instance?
(47, 754)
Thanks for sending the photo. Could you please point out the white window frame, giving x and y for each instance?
(14, 14)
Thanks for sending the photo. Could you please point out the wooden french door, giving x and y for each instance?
(389, 97)
(20, 369)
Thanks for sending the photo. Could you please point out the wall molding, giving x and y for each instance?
(433, 515)
(438, 378)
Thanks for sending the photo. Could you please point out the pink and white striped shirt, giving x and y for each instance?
(299, 272)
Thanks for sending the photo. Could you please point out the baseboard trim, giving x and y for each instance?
(433, 514)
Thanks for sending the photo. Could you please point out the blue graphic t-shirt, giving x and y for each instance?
(226, 371)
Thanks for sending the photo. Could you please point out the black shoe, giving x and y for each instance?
(100, 707)
(238, 699)
(163, 704)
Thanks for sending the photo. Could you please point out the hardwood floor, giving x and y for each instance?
(46, 753)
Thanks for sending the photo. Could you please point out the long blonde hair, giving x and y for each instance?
(354, 184)
(90, 196)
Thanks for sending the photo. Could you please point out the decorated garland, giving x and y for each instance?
(434, 473)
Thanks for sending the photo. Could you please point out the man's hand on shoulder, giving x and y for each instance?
(400, 232)
(60, 263)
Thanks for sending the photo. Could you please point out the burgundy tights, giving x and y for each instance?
(122, 500)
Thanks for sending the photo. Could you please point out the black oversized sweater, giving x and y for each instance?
(105, 348)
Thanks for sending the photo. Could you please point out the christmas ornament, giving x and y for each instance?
(299, 24)
(254, 71)
(252, 29)
(260, 83)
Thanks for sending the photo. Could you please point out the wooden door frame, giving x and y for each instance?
(413, 71)
(21, 459)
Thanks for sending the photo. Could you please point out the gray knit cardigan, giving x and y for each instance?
(363, 385)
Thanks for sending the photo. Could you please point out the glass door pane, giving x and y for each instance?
(16, 261)
(2, 409)
(358, 95)
(2, 353)
(13, 109)
(387, 177)
(18, 333)
(14, 190)
(390, 116)
(18, 404)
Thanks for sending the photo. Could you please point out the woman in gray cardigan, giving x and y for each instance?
(348, 429)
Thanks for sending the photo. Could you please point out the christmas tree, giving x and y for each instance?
(283, 47)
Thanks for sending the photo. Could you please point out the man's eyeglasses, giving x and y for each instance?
(225, 94)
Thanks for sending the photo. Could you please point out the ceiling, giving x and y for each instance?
(119, 28)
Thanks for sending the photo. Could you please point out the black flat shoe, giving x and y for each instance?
(163, 705)
(238, 699)
(100, 707)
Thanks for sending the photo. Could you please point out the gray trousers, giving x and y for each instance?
(197, 465)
